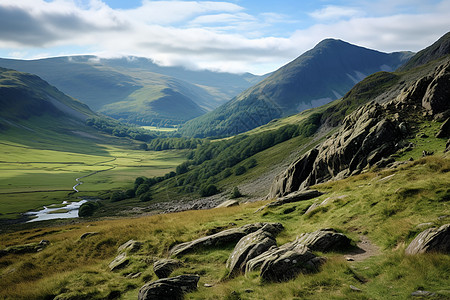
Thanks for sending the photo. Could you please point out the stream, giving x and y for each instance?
(69, 210)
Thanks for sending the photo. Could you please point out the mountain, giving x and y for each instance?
(24, 96)
(317, 77)
(135, 89)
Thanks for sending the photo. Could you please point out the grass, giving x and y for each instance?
(386, 206)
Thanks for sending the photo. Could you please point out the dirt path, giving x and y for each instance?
(365, 250)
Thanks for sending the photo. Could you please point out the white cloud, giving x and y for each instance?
(206, 34)
(331, 13)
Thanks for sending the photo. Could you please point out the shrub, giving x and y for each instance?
(146, 197)
(142, 189)
(118, 196)
(240, 170)
(236, 193)
(87, 209)
(209, 190)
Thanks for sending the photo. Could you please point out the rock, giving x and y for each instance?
(251, 246)
(224, 237)
(169, 288)
(130, 247)
(324, 240)
(431, 240)
(120, 262)
(436, 97)
(134, 275)
(444, 130)
(291, 179)
(294, 197)
(423, 294)
(164, 267)
(228, 203)
(323, 203)
(366, 136)
(122, 259)
(285, 263)
(354, 288)
(447, 146)
(27, 248)
(87, 234)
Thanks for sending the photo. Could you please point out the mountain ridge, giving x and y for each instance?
(316, 77)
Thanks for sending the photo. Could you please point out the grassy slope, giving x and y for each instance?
(386, 206)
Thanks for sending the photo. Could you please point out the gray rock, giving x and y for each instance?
(294, 197)
(224, 237)
(285, 263)
(164, 267)
(251, 246)
(423, 294)
(354, 288)
(130, 247)
(436, 97)
(228, 203)
(120, 262)
(27, 248)
(169, 288)
(87, 234)
(431, 240)
(325, 202)
(324, 240)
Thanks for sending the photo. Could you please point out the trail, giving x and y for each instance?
(365, 250)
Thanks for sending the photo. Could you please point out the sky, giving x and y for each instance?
(256, 36)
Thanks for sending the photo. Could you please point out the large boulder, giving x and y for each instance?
(130, 247)
(436, 98)
(324, 240)
(284, 263)
(169, 288)
(431, 240)
(164, 267)
(444, 130)
(224, 237)
(251, 246)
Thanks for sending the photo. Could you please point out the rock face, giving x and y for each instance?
(324, 240)
(285, 262)
(164, 267)
(369, 134)
(444, 131)
(431, 240)
(224, 237)
(169, 288)
(251, 246)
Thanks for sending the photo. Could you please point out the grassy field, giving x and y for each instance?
(385, 207)
(31, 177)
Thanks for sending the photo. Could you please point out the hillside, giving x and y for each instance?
(319, 76)
(135, 89)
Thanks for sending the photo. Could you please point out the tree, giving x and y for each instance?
(240, 170)
(146, 197)
(142, 189)
(236, 193)
(209, 190)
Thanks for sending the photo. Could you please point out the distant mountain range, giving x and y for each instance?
(319, 76)
(135, 89)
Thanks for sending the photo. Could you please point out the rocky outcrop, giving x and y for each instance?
(367, 135)
(295, 197)
(324, 240)
(164, 267)
(122, 258)
(444, 130)
(27, 248)
(87, 234)
(436, 97)
(224, 237)
(284, 263)
(431, 240)
(169, 288)
(251, 246)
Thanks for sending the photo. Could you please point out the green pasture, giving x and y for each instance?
(31, 177)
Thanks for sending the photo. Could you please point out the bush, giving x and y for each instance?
(87, 209)
(209, 190)
(236, 193)
(146, 197)
(118, 196)
(130, 193)
(240, 170)
(142, 189)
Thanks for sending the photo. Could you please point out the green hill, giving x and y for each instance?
(128, 88)
(317, 77)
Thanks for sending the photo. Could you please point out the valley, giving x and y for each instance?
(346, 199)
